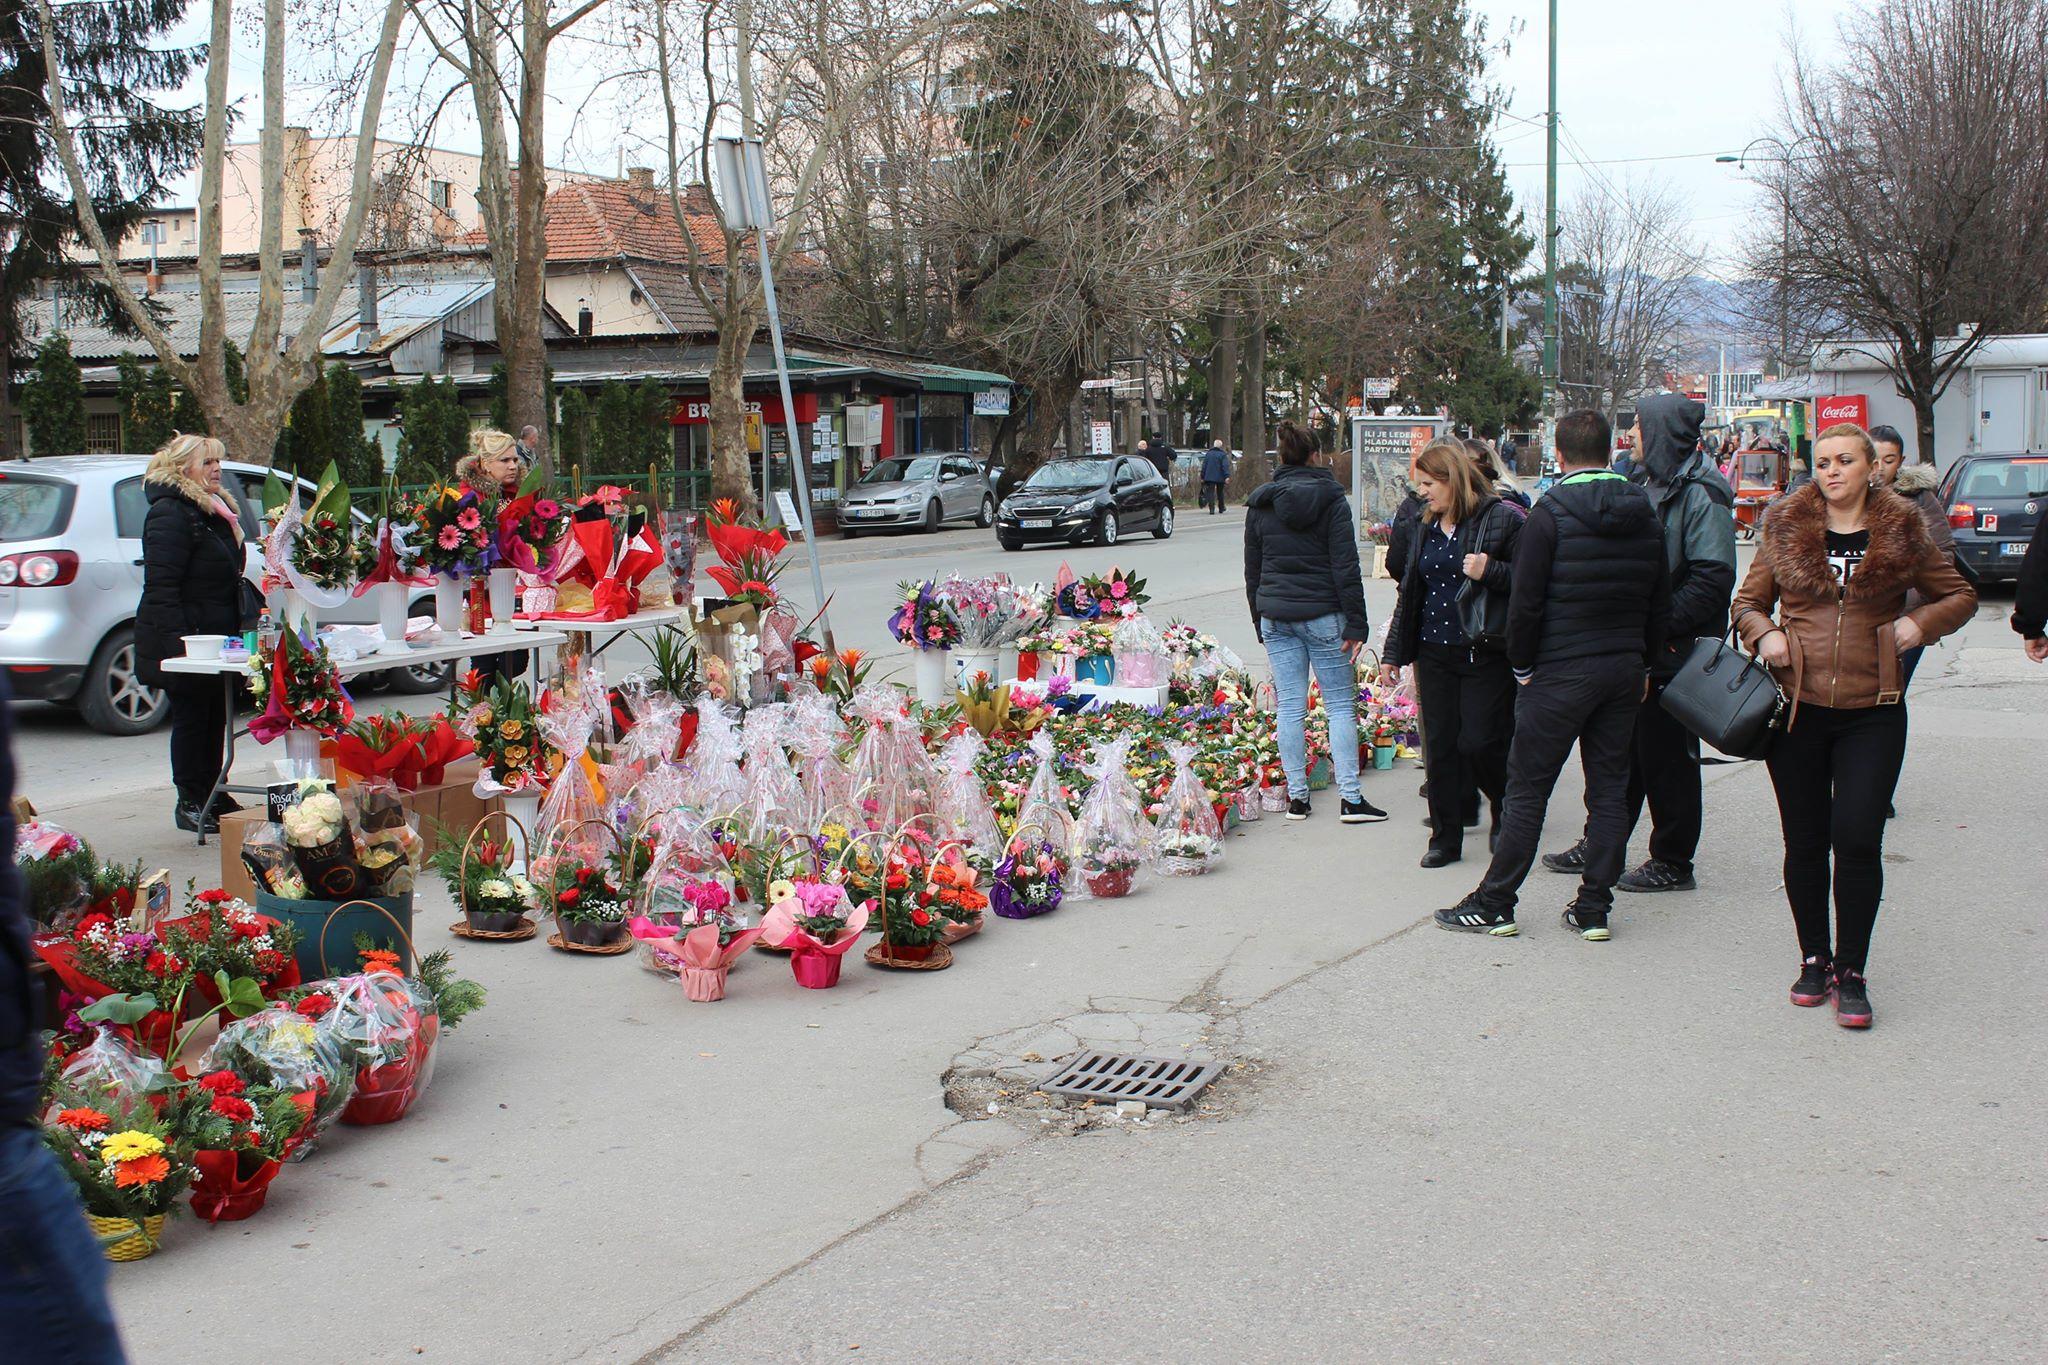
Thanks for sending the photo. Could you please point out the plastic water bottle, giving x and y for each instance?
(266, 632)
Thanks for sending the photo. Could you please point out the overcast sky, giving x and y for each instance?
(1639, 80)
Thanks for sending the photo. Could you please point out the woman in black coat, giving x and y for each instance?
(191, 585)
(1450, 619)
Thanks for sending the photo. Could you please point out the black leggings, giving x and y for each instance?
(199, 734)
(1468, 708)
(1835, 771)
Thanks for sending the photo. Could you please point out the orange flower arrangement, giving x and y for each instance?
(84, 1120)
(377, 960)
(141, 1170)
(951, 891)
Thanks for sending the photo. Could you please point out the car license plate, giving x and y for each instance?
(2013, 547)
(1038, 524)
(864, 511)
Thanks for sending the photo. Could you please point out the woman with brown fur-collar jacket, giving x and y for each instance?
(1836, 562)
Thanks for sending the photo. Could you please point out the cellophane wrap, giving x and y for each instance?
(562, 829)
(1189, 838)
(387, 1026)
(295, 1050)
(715, 786)
(1112, 837)
(1045, 813)
(115, 1067)
(774, 795)
(270, 862)
(388, 848)
(1140, 651)
(885, 789)
(965, 815)
(817, 732)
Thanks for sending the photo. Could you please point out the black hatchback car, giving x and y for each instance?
(1094, 498)
(1994, 502)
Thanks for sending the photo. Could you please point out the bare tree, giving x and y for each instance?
(1626, 291)
(277, 370)
(499, 49)
(1914, 190)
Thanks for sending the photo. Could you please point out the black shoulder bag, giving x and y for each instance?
(1727, 698)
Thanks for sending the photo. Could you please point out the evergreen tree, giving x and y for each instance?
(186, 414)
(616, 428)
(433, 432)
(134, 148)
(307, 442)
(360, 458)
(657, 437)
(572, 445)
(500, 391)
(53, 401)
(147, 399)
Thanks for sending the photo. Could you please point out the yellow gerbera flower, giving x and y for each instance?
(127, 1146)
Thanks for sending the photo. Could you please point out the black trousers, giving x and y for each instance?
(1591, 703)
(1468, 706)
(1835, 771)
(1665, 771)
(199, 734)
(1212, 496)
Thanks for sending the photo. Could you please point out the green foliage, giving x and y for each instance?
(147, 401)
(656, 433)
(53, 401)
(500, 391)
(618, 433)
(325, 427)
(433, 432)
(572, 443)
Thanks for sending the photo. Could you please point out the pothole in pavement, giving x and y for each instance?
(1001, 1076)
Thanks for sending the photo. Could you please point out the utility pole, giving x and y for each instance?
(1550, 373)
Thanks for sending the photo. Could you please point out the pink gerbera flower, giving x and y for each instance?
(450, 537)
(1119, 589)
(469, 519)
(548, 509)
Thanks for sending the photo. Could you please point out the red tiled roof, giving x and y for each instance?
(619, 218)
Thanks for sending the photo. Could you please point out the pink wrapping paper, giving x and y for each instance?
(705, 963)
(813, 962)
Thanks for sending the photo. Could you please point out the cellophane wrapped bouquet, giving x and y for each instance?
(1140, 652)
(571, 823)
(385, 1026)
(1047, 807)
(964, 814)
(989, 613)
(715, 785)
(689, 883)
(291, 1048)
(1189, 837)
(1112, 836)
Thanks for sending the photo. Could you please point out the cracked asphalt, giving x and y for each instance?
(1434, 1146)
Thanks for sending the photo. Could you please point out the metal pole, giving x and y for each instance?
(1550, 371)
(757, 173)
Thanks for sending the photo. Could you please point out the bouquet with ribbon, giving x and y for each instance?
(607, 557)
(300, 687)
(323, 550)
(408, 751)
(452, 533)
(388, 553)
(503, 725)
(532, 528)
(749, 556)
(922, 622)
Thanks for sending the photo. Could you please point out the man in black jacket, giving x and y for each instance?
(1585, 617)
(2030, 604)
(53, 1279)
(1695, 509)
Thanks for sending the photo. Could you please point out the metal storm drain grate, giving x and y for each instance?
(1159, 1082)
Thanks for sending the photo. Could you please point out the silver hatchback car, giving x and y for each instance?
(918, 490)
(71, 576)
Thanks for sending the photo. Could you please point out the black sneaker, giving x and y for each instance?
(1852, 1000)
(1816, 982)
(1469, 916)
(1656, 875)
(1572, 860)
(1360, 812)
(1590, 921)
(1298, 809)
(187, 816)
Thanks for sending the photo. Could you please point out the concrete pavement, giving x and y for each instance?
(1432, 1145)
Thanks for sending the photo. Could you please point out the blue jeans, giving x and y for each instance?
(53, 1276)
(1293, 647)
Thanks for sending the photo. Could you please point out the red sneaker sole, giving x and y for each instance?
(1852, 1020)
(1809, 1001)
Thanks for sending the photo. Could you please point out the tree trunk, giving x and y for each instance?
(1052, 401)
(1222, 377)
(526, 366)
(1254, 424)
(731, 472)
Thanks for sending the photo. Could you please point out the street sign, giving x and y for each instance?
(786, 505)
(1841, 407)
(1379, 388)
(991, 402)
(1098, 383)
(1100, 439)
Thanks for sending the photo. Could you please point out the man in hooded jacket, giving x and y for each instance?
(1696, 510)
(1585, 618)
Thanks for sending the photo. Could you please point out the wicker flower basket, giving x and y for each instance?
(137, 1243)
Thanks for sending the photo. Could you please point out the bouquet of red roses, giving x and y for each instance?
(301, 689)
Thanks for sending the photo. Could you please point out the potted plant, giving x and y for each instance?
(128, 1164)
(950, 889)
(239, 1134)
(1028, 881)
(818, 925)
(1186, 852)
(707, 955)
(589, 909)
(1109, 868)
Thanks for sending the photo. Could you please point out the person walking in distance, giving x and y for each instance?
(1916, 483)
(1836, 562)
(1215, 474)
(1696, 513)
(1460, 566)
(1307, 595)
(1586, 614)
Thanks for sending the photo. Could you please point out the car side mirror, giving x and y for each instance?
(947, 476)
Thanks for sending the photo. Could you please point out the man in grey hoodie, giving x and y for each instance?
(1696, 508)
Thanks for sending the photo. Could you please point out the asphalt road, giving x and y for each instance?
(1430, 1146)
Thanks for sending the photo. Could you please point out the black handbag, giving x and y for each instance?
(1484, 614)
(1727, 698)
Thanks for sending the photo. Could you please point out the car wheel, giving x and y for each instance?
(114, 701)
(1106, 529)
(1164, 529)
(988, 514)
(1009, 543)
(931, 516)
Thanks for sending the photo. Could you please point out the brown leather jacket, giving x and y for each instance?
(1844, 650)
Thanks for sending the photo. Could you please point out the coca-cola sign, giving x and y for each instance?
(1841, 407)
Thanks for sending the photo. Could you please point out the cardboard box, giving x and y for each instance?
(453, 805)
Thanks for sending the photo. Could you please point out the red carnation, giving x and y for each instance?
(252, 927)
(314, 1006)
(161, 963)
(221, 1083)
(217, 896)
(270, 962)
(234, 1107)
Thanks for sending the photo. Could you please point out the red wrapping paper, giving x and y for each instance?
(156, 1031)
(221, 1193)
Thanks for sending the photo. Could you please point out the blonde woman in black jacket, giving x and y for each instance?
(1459, 565)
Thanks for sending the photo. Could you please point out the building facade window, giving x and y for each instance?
(441, 195)
(103, 433)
